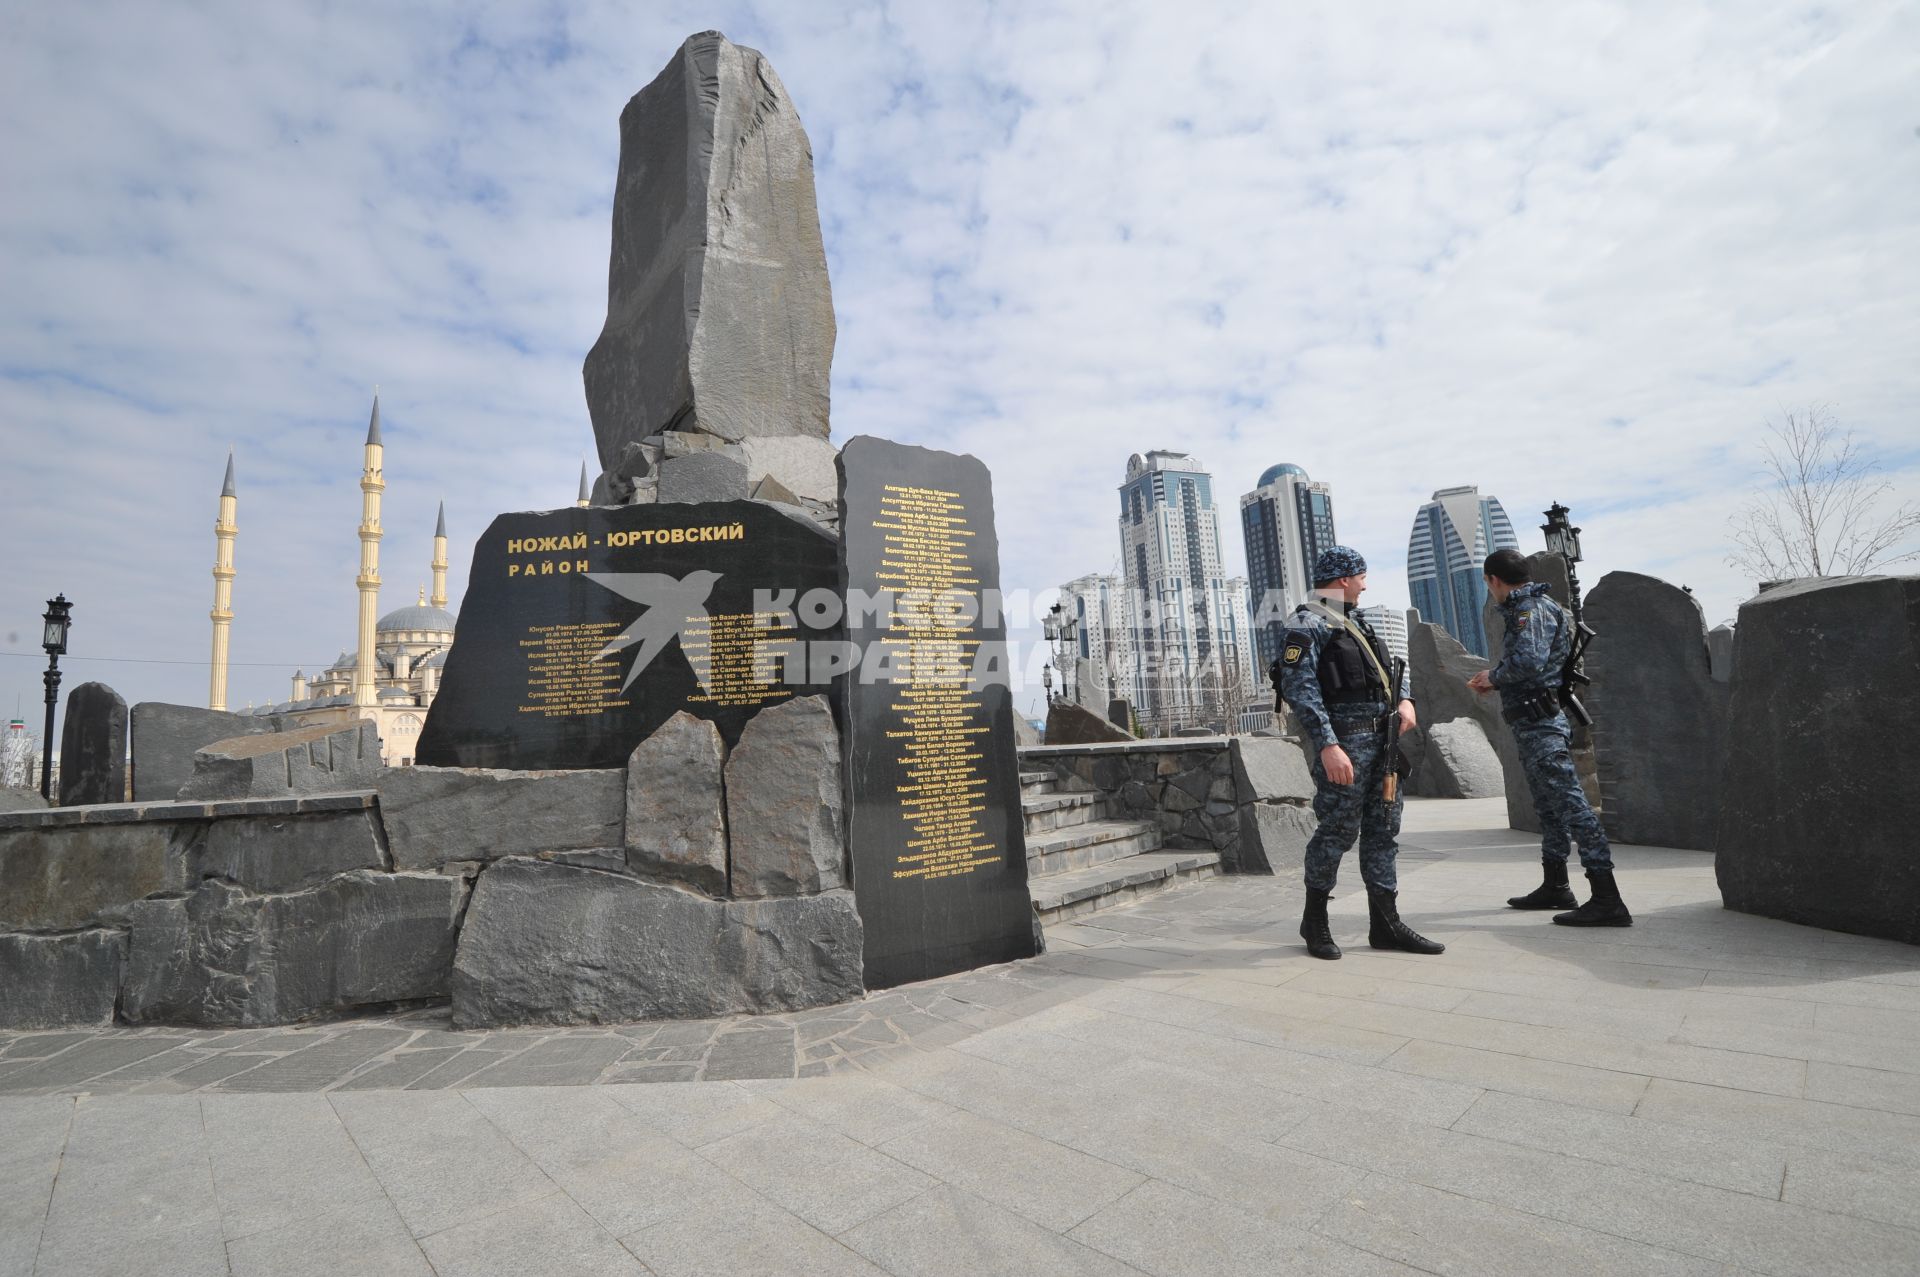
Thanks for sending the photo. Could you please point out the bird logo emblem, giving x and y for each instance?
(672, 604)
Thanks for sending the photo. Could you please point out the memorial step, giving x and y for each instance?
(1081, 891)
(1079, 847)
(1060, 811)
(1037, 783)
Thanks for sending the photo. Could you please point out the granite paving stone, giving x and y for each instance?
(949, 1233)
(548, 1234)
(441, 1162)
(830, 1180)
(735, 1232)
(278, 1159)
(1166, 1230)
(1051, 1184)
(365, 1241)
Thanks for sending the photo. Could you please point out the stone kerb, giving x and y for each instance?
(1817, 803)
(1660, 715)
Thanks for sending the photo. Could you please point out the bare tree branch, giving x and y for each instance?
(1821, 513)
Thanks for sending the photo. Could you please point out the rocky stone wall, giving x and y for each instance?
(1817, 799)
(525, 897)
(1247, 798)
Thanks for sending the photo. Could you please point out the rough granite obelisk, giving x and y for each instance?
(719, 318)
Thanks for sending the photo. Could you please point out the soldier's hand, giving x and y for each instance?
(1481, 682)
(1407, 721)
(1339, 768)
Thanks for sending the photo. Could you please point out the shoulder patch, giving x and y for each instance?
(1293, 654)
(1526, 616)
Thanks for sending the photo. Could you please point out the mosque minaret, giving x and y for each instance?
(440, 559)
(225, 528)
(372, 483)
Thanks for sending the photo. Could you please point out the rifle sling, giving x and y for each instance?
(1373, 657)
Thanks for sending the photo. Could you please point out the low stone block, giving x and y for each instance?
(676, 805)
(433, 815)
(225, 956)
(1273, 838)
(1461, 763)
(786, 824)
(66, 981)
(93, 747)
(308, 760)
(554, 944)
(15, 799)
(166, 737)
(703, 476)
(62, 878)
(278, 852)
(1070, 724)
(1264, 770)
(802, 464)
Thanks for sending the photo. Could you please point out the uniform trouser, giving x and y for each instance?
(1546, 756)
(1356, 810)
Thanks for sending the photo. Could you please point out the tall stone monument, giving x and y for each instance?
(1660, 716)
(719, 318)
(93, 747)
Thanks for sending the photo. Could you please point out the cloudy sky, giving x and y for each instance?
(1575, 252)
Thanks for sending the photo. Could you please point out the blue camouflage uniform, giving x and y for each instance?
(1317, 672)
(1539, 634)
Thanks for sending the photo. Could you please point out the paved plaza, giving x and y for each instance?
(1175, 1088)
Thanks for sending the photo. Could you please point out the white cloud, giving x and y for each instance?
(1574, 252)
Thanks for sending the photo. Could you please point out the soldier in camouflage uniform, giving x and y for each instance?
(1338, 693)
(1539, 635)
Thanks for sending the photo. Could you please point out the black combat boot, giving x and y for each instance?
(1386, 931)
(1314, 929)
(1552, 893)
(1605, 909)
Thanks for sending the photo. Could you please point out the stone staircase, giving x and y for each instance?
(1080, 860)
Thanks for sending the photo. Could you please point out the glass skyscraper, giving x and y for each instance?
(1452, 536)
(1287, 520)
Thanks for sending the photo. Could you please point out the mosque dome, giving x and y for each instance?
(1272, 473)
(420, 616)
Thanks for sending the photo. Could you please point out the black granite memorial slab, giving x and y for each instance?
(584, 629)
(93, 747)
(934, 825)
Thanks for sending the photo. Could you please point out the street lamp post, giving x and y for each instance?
(54, 639)
(1563, 539)
(1046, 680)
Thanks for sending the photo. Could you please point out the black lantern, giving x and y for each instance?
(59, 620)
(1562, 537)
(1046, 679)
(54, 639)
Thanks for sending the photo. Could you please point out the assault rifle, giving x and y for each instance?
(1396, 762)
(1572, 677)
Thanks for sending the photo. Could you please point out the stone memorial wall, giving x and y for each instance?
(934, 824)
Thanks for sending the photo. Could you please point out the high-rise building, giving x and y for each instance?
(1192, 655)
(1452, 536)
(1099, 603)
(1390, 623)
(1287, 520)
